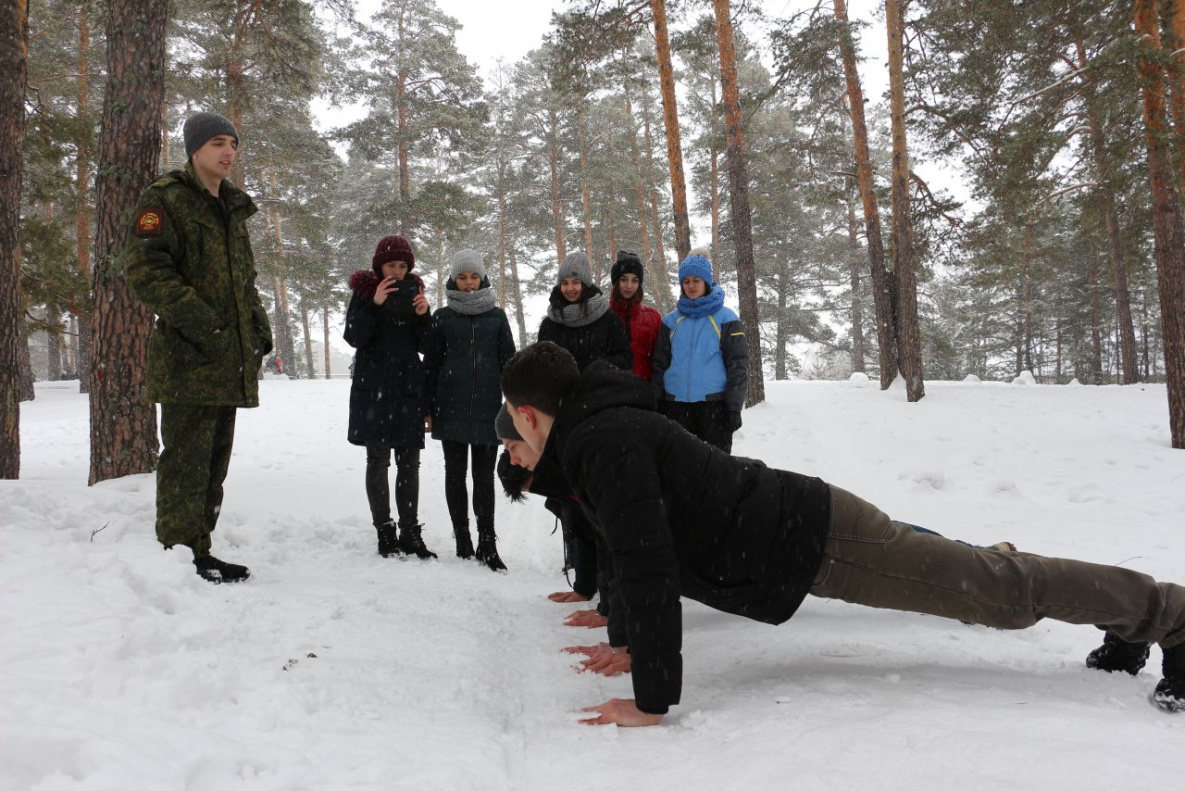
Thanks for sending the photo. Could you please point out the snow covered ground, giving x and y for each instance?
(333, 668)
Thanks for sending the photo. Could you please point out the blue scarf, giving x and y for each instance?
(704, 306)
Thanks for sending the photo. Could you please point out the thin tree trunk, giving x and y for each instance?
(670, 118)
(660, 287)
(1167, 227)
(557, 209)
(310, 368)
(502, 249)
(1096, 321)
(782, 332)
(325, 339)
(639, 187)
(517, 295)
(82, 221)
(585, 192)
(53, 343)
(741, 219)
(25, 377)
(123, 425)
(883, 285)
(909, 335)
(282, 326)
(14, 55)
(1106, 193)
(404, 174)
(857, 314)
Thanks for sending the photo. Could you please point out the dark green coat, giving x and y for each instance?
(189, 261)
(464, 364)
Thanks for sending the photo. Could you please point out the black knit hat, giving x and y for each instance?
(504, 425)
(202, 126)
(627, 264)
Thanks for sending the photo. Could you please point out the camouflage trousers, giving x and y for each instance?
(193, 464)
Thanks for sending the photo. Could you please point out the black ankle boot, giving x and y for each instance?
(412, 543)
(1116, 654)
(1170, 691)
(487, 549)
(464, 542)
(388, 543)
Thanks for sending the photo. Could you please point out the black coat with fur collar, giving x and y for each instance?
(387, 395)
(680, 517)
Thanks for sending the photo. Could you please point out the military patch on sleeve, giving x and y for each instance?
(150, 221)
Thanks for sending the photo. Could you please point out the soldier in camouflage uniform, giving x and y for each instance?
(190, 262)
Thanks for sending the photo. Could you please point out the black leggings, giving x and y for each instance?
(407, 484)
(707, 420)
(456, 493)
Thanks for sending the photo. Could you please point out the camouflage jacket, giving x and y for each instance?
(189, 261)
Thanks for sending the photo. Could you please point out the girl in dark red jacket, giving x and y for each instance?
(641, 321)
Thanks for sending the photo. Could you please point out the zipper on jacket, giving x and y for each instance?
(473, 380)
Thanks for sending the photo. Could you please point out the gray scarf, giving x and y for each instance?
(470, 303)
(580, 315)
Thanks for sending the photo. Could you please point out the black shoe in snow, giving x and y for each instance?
(464, 541)
(1118, 655)
(487, 551)
(388, 542)
(412, 543)
(217, 571)
(1170, 692)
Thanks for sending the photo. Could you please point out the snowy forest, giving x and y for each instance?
(646, 125)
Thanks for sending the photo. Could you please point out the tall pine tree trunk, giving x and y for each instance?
(123, 424)
(14, 55)
(670, 119)
(909, 335)
(1168, 233)
(585, 192)
(53, 344)
(310, 368)
(883, 285)
(857, 309)
(739, 184)
(82, 220)
(660, 289)
(639, 187)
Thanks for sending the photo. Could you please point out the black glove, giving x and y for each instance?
(734, 421)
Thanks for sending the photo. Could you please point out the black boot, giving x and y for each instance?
(487, 549)
(1170, 691)
(1116, 654)
(412, 543)
(214, 570)
(388, 543)
(464, 542)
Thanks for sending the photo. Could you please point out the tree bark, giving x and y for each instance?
(857, 310)
(909, 336)
(670, 119)
(310, 368)
(883, 287)
(639, 187)
(1168, 233)
(660, 288)
(53, 342)
(14, 55)
(123, 424)
(82, 221)
(516, 294)
(741, 219)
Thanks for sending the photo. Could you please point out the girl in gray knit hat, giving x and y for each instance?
(579, 318)
(470, 343)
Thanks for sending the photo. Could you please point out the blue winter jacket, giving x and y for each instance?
(703, 358)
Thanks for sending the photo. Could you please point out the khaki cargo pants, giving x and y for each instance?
(193, 465)
(872, 560)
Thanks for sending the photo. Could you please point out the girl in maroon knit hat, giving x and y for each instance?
(388, 323)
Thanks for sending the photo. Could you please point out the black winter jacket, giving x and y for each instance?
(682, 518)
(604, 339)
(387, 394)
(464, 365)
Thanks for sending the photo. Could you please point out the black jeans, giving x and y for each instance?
(708, 420)
(407, 484)
(456, 493)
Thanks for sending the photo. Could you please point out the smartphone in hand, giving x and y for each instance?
(400, 298)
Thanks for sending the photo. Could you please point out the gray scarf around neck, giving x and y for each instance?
(470, 303)
(580, 315)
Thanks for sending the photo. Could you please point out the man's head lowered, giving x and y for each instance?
(534, 382)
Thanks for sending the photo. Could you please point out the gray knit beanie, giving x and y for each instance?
(467, 261)
(202, 126)
(575, 265)
(504, 425)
